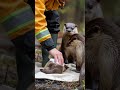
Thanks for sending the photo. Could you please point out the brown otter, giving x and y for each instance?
(72, 46)
(53, 68)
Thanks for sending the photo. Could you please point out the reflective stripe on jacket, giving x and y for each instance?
(16, 17)
(41, 31)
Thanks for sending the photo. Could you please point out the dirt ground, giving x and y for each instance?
(55, 85)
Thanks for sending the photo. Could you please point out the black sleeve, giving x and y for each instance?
(52, 18)
(48, 44)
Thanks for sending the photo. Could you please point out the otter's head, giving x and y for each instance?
(71, 28)
(92, 10)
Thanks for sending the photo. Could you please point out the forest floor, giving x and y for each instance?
(55, 85)
(46, 84)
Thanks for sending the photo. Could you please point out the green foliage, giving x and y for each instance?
(82, 4)
(83, 84)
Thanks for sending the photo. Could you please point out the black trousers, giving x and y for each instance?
(25, 56)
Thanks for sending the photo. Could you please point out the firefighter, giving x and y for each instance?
(47, 27)
(17, 18)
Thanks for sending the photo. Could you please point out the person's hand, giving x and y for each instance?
(57, 56)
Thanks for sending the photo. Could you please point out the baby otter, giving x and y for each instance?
(53, 68)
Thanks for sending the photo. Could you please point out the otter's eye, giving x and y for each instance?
(72, 28)
(66, 27)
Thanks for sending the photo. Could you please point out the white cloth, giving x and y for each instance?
(53, 60)
(68, 76)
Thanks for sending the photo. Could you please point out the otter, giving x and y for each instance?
(102, 56)
(53, 68)
(72, 46)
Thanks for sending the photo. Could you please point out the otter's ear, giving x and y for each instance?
(98, 0)
(76, 26)
(65, 24)
(66, 67)
(41, 70)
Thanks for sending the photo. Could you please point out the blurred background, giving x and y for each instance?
(73, 12)
(111, 10)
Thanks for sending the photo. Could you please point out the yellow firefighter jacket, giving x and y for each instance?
(16, 17)
(41, 30)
